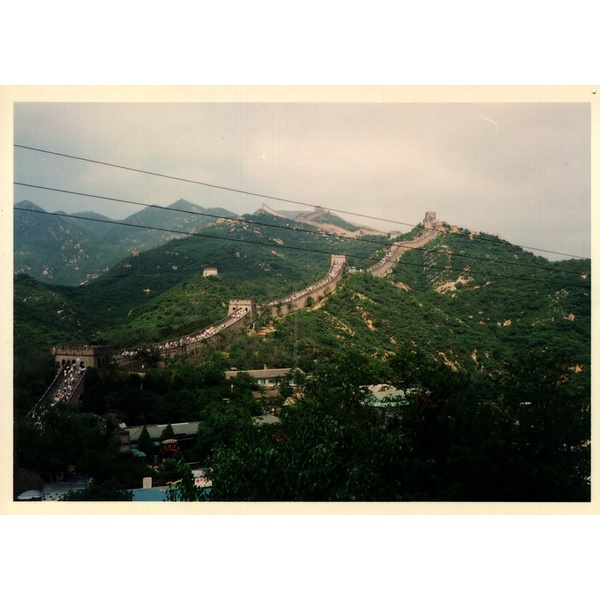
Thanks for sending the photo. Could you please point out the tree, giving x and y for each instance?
(205, 438)
(328, 447)
(551, 407)
(516, 437)
(521, 436)
(180, 481)
(145, 444)
(167, 433)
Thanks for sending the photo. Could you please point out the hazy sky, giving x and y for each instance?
(521, 170)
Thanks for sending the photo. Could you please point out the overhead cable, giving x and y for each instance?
(258, 243)
(319, 232)
(256, 194)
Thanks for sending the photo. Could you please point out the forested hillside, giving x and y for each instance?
(73, 249)
(260, 260)
(490, 345)
(467, 300)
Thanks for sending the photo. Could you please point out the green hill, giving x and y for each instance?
(490, 344)
(73, 249)
(260, 261)
(468, 300)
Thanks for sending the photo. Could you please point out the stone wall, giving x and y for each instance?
(393, 253)
(313, 293)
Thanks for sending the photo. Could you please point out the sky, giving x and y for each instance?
(517, 169)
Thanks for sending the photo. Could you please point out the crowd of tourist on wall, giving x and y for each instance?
(71, 376)
(63, 387)
(336, 266)
(192, 338)
(130, 354)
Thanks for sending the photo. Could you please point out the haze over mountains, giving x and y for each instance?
(74, 249)
(58, 249)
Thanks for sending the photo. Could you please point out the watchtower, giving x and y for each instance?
(249, 306)
(337, 258)
(429, 220)
(87, 356)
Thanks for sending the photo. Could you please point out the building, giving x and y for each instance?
(430, 219)
(183, 431)
(151, 494)
(266, 377)
(210, 272)
(269, 398)
(83, 356)
(31, 496)
(246, 306)
(56, 490)
(385, 396)
(184, 437)
(267, 420)
(200, 479)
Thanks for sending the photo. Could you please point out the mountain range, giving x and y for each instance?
(468, 299)
(74, 249)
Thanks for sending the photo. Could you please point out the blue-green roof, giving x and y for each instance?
(154, 494)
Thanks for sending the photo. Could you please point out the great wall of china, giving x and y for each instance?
(304, 297)
(238, 313)
(381, 268)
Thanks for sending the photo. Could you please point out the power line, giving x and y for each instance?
(258, 195)
(319, 232)
(196, 182)
(287, 247)
(166, 230)
(237, 219)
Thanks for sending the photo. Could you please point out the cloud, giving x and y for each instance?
(494, 167)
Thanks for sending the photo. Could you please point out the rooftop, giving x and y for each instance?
(261, 373)
(155, 494)
(385, 395)
(55, 491)
(266, 420)
(155, 431)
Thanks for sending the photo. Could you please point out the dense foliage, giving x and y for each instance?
(56, 248)
(455, 439)
(69, 439)
(490, 344)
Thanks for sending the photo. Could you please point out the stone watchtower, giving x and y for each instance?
(86, 356)
(249, 306)
(429, 220)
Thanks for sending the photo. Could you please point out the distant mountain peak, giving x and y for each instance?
(92, 215)
(183, 204)
(28, 205)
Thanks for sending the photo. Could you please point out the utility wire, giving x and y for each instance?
(259, 243)
(190, 233)
(319, 232)
(236, 218)
(255, 194)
